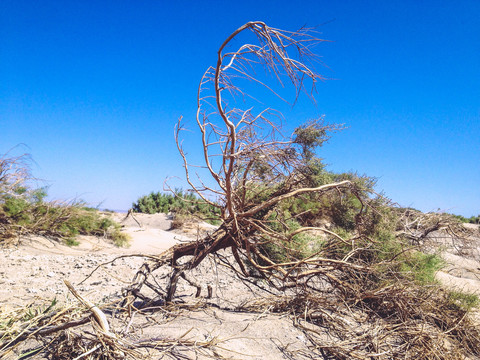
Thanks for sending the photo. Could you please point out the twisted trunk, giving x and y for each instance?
(199, 249)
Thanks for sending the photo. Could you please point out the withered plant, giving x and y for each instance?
(253, 166)
(358, 282)
(14, 172)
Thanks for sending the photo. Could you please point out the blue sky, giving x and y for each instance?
(94, 89)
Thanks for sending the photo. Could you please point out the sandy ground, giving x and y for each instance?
(35, 269)
(33, 272)
(462, 259)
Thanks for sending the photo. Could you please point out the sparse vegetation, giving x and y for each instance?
(24, 210)
(421, 267)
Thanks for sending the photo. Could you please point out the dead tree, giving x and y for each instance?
(253, 166)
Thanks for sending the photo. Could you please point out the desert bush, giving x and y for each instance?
(179, 221)
(421, 267)
(470, 220)
(179, 202)
(63, 221)
(24, 210)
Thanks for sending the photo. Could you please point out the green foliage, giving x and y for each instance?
(300, 246)
(24, 210)
(180, 203)
(15, 206)
(462, 301)
(27, 314)
(315, 174)
(38, 195)
(304, 245)
(395, 258)
(71, 241)
(348, 212)
(119, 238)
(341, 208)
(14, 322)
(153, 203)
(470, 220)
(422, 267)
(27, 212)
(366, 224)
(312, 135)
(386, 246)
(88, 222)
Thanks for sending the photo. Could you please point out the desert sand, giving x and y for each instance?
(33, 271)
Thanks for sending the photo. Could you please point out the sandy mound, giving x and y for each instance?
(462, 270)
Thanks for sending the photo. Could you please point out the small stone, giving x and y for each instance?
(51, 274)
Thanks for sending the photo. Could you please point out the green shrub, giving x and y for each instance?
(463, 301)
(30, 214)
(422, 267)
(368, 228)
(13, 206)
(470, 220)
(396, 258)
(88, 222)
(23, 210)
(300, 246)
(119, 238)
(182, 203)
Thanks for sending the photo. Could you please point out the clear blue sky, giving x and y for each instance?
(94, 88)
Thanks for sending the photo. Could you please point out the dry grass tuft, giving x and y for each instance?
(391, 322)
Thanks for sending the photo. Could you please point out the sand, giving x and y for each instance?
(33, 272)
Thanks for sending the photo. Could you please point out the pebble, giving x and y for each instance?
(302, 338)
